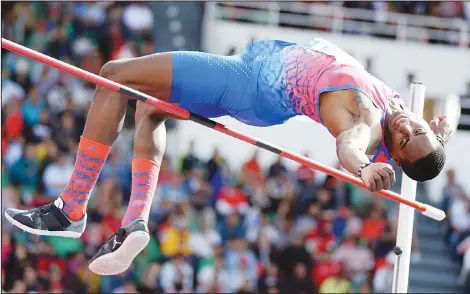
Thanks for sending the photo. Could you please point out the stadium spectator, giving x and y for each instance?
(451, 191)
(241, 265)
(252, 169)
(174, 235)
(213, 277)
(56, 175)
(356, 258)
(300, 283)
(231, 200)
(277, 168)
(177, 275)
(338, 283)
(190, 160)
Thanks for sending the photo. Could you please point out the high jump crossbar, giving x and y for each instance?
(425, 209)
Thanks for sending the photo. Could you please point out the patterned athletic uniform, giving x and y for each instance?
(272, 81)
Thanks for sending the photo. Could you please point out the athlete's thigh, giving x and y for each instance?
(208, 84)
(150, 74)
(200, 82)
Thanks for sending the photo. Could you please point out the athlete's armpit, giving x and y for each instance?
(342, 110)
(349, 116)
(364, 107)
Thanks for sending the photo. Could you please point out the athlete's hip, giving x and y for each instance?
(243, 86)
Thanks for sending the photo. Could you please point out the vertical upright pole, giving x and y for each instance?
(405, 214)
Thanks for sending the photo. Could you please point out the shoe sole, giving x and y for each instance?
(66, 234)
(119, 261)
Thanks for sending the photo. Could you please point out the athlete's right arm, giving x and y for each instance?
(351, 126)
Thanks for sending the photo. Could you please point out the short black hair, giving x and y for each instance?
(427, 167)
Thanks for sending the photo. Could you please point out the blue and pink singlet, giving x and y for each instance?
(271, 81)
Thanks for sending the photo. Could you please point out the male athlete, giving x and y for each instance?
(270, 82)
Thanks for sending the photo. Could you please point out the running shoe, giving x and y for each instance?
(117, 254)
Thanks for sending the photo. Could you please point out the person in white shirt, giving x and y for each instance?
(177, 275)
(460, 214)
(56, 176)
(10, 89)
(214, 277)
(203, 243)
(138, 17)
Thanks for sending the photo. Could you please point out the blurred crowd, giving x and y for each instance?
(215, 229)
(456, 203)
(444, 9)
(43, 115)
(379, 22)
(437, 9)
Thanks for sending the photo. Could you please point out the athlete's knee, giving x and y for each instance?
(111, 69)
(149, 112)
(115, 71)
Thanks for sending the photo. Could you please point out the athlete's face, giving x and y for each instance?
(408, 137)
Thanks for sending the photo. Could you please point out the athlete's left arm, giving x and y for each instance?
(351, 124)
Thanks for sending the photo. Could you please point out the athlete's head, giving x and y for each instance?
(413, 145)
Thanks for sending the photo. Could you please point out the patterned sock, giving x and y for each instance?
(144, 182)
(91, 157)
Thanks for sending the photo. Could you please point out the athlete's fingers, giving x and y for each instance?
(378, 182)
(434, 122)
(440, 118)
(372, 184)
(391, 172)
(385, 178)
(393, 179)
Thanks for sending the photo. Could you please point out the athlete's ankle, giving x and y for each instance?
(74, 213)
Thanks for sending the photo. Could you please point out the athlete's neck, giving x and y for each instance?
(393, 109)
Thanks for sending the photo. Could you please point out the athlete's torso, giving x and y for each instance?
(300, 73)
(319, 66)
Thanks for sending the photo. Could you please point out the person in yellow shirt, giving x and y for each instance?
(337, 284)
(175, 239)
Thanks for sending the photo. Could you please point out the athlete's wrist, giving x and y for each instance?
(362, 167)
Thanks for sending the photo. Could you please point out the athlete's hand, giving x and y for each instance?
(440, 126)
(378, 176)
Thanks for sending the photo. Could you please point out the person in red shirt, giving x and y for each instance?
(304, 172)
(231, 200)
(252, 173)
(321, 240)
(323, 270)
(374, 226)
(14, 122)
(252, 165)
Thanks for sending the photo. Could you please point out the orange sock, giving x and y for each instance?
(91, 156)
(144, 182)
